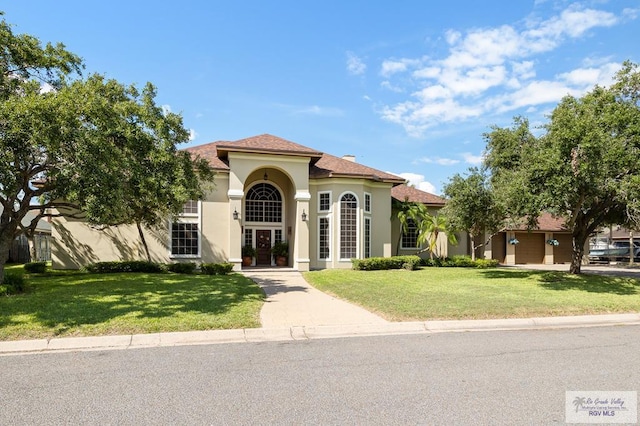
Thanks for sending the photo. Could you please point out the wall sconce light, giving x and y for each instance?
(304, 216)
(235, 214)
(266, 176)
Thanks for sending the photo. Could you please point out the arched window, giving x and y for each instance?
(348, 226)
(263, 204)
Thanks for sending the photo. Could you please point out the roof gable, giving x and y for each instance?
(322, 165)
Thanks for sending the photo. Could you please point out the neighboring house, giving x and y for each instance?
(19, 251)
(267, 189)
(550, 242)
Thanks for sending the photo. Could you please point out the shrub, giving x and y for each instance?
(436, 261)
(35, 267)
(13, 284)
(382, 263)
(182, 267)
(486, 263)
(216, 268)
(124, 266)
(461, 262)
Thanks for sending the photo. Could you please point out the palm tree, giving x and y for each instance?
(408, 211)
(430, 228)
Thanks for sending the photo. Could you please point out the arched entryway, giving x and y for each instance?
(264, 222)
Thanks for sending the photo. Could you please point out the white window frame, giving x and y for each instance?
(187, 218)
(320, 204)
(339, 233)
(330, 238)
(364, 236)
(367, 200)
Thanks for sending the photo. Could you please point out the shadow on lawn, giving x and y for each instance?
(60, 304)
(562, 281)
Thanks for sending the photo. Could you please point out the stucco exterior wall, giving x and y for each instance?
(75, 243)
(379, 216)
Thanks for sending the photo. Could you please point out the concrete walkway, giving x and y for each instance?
(291, 301)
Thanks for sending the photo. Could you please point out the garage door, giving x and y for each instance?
(530, 248)
(562, 252)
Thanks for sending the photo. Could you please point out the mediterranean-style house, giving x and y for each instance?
(328, 210)
(267, 189)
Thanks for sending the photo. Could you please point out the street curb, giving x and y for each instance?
(294, 333)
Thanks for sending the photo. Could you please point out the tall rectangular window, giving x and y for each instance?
(277, 236)
(367, 202)
(324, 239)
(185, 231)
(367, 237)
(348, 226)
(248, 237)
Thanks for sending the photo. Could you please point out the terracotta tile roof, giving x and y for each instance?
(546, 222)
(404, 192)
(322, 165)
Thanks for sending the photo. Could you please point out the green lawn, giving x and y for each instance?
(461, 293)
(80, 304)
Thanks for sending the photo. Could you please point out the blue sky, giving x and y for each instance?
(408, 87)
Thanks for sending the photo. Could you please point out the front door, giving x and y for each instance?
(263, 247)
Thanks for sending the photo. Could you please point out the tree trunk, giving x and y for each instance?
(5, 246)
(473, 247)
(579, 241)
(33, 253)
(144, 241)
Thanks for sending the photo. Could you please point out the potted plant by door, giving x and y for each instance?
(280, 251)
(248, 253)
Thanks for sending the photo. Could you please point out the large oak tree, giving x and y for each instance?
(585, 168)
(91, 147)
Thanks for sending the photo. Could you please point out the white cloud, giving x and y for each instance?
(192, 134)
(355, 66)
(489, 70)
(588, 77)
(318, 110)
(387, 85)
(472, 159)
(392, 67)
(46, 88)
(440, 161)
(418, 181)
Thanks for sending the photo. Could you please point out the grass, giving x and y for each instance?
(65, 303)
(462, 293)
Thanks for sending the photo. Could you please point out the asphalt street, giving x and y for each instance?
(474, 378)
